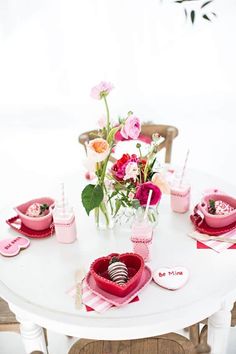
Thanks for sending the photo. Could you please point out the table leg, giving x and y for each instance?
(32, 336)
(218, 329)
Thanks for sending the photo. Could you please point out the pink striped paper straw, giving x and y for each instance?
(184, 168)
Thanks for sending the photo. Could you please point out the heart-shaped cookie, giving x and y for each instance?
(171, 278)
(12, 246)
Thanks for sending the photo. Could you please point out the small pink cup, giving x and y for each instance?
(65, 231)
(141, 238)
(180, 198)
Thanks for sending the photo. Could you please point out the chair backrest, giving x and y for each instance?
(168, 132)
(165, 344)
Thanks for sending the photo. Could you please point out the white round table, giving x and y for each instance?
(35, 282)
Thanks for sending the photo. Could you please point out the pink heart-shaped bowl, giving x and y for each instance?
(216, 221)
(99, 271)
(36, 223)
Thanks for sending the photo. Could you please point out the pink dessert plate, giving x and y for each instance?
(200, 224)
(116, 300)
(16, 224)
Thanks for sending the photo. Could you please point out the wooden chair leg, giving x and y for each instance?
(194, 333)
(169, 142)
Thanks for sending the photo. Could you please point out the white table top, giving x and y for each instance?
(37, 279)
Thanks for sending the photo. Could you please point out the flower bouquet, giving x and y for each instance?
(127, 182)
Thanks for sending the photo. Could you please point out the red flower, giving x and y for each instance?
(143, 191)
(118, 169)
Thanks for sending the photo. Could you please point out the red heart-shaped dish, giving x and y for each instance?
(99, 270)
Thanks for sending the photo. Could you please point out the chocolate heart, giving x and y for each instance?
(171, 278)
(135, 266)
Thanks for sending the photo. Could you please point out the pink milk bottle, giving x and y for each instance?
(180, 194)
(141, 237)
(64, 220)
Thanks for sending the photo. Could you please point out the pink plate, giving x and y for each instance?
(200, 224)
(116, 300)
(18, 226)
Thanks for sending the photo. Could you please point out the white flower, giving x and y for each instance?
(131, 171)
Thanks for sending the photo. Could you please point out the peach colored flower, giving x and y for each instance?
(102, 89)
(98, 149)
(159, 181)
(131, 128)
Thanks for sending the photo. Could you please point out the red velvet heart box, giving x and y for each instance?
(99, 270)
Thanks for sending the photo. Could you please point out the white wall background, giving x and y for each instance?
(53, 51)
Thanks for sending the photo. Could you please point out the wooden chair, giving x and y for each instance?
(171, 343)
(198, 336)
(168, 132)
(8, 321)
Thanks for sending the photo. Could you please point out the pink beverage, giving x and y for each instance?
(180, 198)
(64, 222)
(141, 238)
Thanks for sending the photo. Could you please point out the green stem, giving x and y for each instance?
(108, 115)
(96, 211)
(109, 200)
(104, 211)
(104, 169)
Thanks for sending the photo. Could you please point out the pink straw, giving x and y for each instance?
(63, 197)
(184, 168)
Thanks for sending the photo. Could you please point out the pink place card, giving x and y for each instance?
(11, 246)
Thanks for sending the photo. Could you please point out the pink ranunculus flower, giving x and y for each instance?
(143, 191)
(102, 89)
(131, 171)
(131, 128)
(98, 149)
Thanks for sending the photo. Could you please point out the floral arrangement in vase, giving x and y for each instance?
(127, 182)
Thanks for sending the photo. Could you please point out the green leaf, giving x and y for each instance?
(118, 205)
(206, 17)
(92, 196)
(192, 15)
(111, 135)
(206, 3)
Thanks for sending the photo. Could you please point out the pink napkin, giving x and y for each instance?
(92, 301)
(217, 245)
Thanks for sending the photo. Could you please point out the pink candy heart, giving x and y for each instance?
(171, 278)
(11, 246)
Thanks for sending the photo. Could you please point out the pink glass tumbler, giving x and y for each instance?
(180, 197)
(64, 221)
(141, 237)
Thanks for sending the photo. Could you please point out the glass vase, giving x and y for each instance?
(126, 216)
(103, 216)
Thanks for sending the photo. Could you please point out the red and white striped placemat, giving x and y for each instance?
(219, 246)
